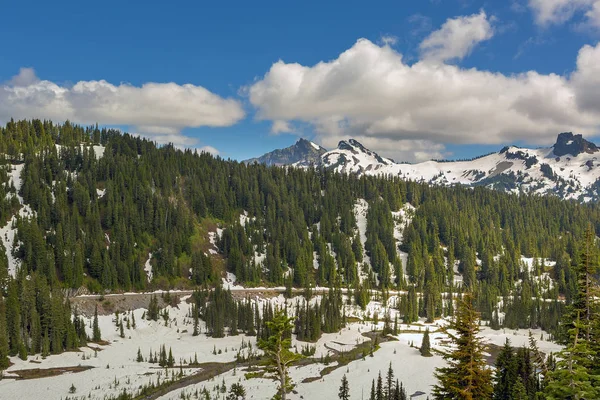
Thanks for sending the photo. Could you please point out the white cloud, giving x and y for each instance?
(586, 79)
(548, 12)
(593, 15)
(456, 38)
(389, 40)
(280, 126)
(25, 77)
(208, 149)
(156, 110)
(398, 149)
(368, 92)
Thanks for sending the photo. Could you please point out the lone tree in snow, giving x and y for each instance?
(426, 345)
(344, 393)
(96, 336)
(277, 352)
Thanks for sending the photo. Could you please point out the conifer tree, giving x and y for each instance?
(576, 375)
(466, 375)
(96, 335)
(277, 350)
(425, 349)
(518, 391)
(373, 396)
(4, 362)
(506, 373)
(379, 395)
(389, 382)
(344, 392)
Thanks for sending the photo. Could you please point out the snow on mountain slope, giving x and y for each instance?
(353, 157)
(361, 208)
(8, 231)
(568, 169)
(303, 153)
(98, 150)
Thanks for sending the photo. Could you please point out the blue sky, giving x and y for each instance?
(446, 66)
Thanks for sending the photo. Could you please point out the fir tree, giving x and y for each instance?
(276, 348)
(96, 335)
(466, 376)
(425, 349)
(506, 373)
(344, 392)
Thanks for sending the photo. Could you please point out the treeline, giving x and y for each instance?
(97, 218)
(527, 373)
(103, 201)
(36, 319)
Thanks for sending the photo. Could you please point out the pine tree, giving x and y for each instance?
(4, 361)
(425, 349)
(576, 375)
(389, 382)
(518, 391)
(573, 377)
(96, 335)
(344, 392)
(139, 357)
(373, 395)
(379, 395)
(170, 360)
(466, 376)
(506, 373)
(276, 348)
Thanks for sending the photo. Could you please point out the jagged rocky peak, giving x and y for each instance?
(568, 143)
(355, 147)
(303, 153)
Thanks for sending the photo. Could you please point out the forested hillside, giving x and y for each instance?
(107, 211)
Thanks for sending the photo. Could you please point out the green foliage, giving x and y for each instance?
(277, 351)
(344, 391)
(466, 375)
(425, 349)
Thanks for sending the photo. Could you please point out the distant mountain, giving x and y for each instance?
(352, 157)
(302, 153)
(568, 169)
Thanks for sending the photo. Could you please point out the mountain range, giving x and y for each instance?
(568, 169)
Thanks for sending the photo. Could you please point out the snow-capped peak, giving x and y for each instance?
(352, 157)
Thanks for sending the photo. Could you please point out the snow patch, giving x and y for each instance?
(148, 267)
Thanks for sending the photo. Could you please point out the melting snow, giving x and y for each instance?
(148, 267)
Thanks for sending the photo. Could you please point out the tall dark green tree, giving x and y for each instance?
(344, 392)
(466, 376)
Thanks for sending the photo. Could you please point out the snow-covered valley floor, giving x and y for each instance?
(115, 367)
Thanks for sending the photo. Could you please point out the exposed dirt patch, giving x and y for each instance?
(121, 302)
(44, 373)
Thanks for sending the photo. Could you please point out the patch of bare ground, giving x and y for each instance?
(46, 372)
(344, 358)
(207, 371)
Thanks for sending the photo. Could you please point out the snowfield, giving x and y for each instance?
(115, 367)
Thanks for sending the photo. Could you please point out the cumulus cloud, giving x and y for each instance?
(280, 126)
(156, 110)
(397, 149)
(548, 12)
(208, 149)
(370, 93)
(456, 38)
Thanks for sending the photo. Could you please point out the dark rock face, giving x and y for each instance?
(302, 152)
(567, 143)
